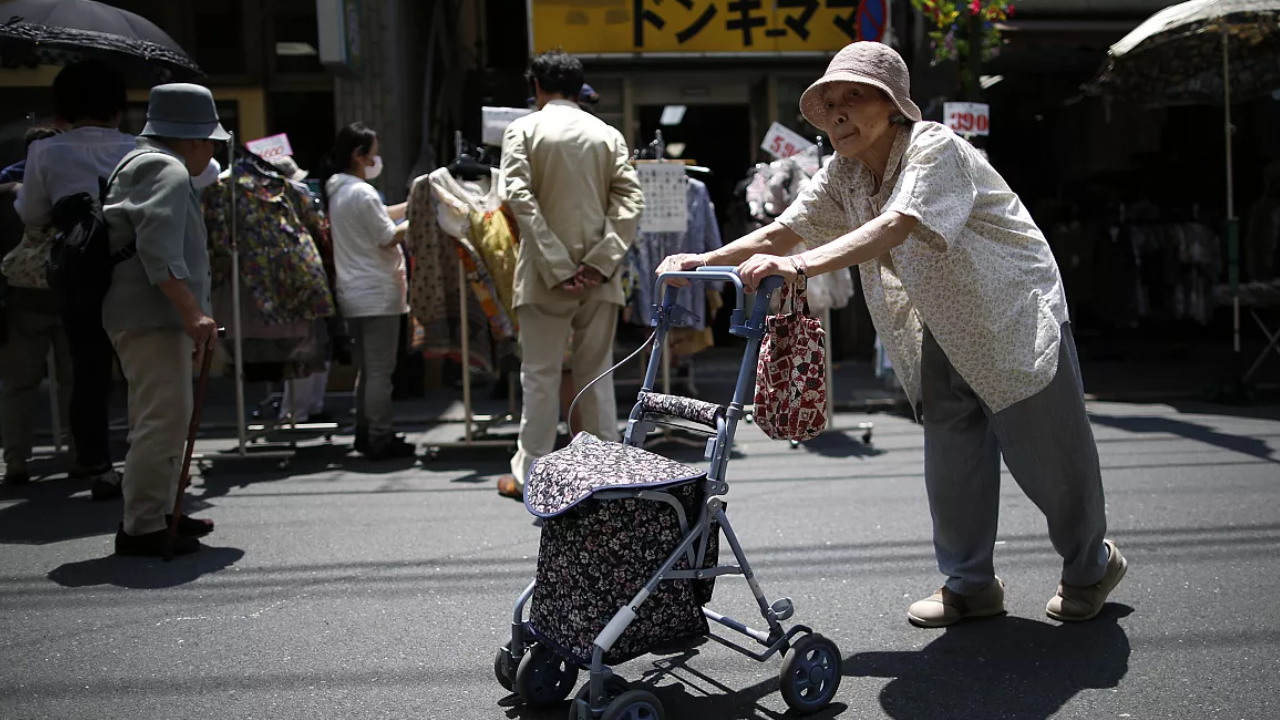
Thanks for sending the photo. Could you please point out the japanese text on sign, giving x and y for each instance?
(968, 118)
(270, 147)
(494, 122)
(782, 142)
(705, 26)
(665, 189)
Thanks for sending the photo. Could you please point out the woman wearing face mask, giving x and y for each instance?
(371, 283)
(964, 291)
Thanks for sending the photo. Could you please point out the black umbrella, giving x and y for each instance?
(57, 32)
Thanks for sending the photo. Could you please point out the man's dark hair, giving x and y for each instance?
(89, 90)
(39, 132)
(557, 73)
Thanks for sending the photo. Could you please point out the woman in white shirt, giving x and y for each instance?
(372, 284)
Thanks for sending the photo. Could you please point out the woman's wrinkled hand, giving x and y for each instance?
(759, 267)
(678, 263)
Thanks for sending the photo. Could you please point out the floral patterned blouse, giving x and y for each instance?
(280, 232)
(976, 270)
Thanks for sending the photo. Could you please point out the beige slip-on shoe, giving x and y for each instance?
(1077, 604)
(945, 607)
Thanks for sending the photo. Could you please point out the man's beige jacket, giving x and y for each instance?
(567, 179)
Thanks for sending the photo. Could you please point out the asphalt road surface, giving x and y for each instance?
(339, 589)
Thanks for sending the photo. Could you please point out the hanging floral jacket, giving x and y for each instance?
(277, 226)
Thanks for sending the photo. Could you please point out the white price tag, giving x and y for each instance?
(270, 147)
(968, 118)
(665, 188)
(782, 142)
(495, 121)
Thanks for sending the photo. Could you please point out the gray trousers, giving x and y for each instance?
(1048, 445)
(375, 345)
(23, 361)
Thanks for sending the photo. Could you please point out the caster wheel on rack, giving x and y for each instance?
(328, 439)
(284, 465)
(614, 687)
(810, 674)
(635, 705)
(504, 668)
(544, 678)
(866, 438)
(794, 444)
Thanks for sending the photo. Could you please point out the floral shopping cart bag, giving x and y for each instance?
(791, 381)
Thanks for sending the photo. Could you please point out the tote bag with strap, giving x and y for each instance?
(791, 379)
(25, 265)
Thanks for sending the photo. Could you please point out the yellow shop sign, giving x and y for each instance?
(607, 27)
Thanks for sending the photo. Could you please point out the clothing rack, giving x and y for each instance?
(475, 427)
(659, 149)
(246, 434)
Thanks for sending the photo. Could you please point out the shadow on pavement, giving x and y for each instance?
(47, 512)
(1010, 667)
(1251, 446)
(840, 444)
(145, 573)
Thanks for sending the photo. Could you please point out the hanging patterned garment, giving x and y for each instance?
(772, 189)
(281, 267)
(650, 249)
(470, 212)
(442, 212)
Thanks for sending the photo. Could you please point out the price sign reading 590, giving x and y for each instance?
(968, 118)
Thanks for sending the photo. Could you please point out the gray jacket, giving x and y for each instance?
(154, 202)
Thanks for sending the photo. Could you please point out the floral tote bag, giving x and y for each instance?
(791, 382)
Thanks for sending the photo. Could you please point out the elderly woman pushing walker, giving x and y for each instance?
(965, 293)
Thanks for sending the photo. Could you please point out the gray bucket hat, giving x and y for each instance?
(870, 63)
(184, 112)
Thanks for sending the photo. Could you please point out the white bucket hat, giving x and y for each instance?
(870, 63)
(183, 111)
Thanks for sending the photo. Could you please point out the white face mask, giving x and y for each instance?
(375, 169)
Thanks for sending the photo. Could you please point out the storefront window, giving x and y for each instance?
(308, 119)
(789, 91)
(219, 37)
(297, 37)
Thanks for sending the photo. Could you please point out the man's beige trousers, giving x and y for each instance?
(157, 365)
(544, 335)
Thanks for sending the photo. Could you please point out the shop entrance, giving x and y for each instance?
(716, 136)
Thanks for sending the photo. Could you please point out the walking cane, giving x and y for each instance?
(185, 478)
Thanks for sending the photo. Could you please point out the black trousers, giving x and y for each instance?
(92, 361)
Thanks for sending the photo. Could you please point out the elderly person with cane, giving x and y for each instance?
(964, 290)
(157, 308)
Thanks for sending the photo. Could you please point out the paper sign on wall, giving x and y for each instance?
(782, 142)
(968, 118)
(495, 121)
(270, 147)
(666, 207)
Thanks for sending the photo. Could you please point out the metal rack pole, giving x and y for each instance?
(235, 299)
(466, 347)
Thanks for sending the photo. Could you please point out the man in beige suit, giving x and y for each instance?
(577, 200)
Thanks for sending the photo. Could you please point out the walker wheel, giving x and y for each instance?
(544, 678)
(614, 687)
(810, 674)
(635, 705)
(504, 668)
